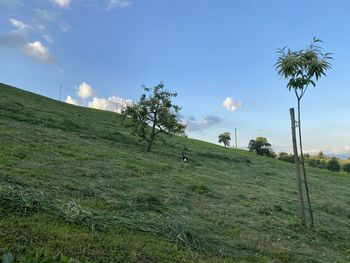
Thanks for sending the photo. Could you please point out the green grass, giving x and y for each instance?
(74, 181)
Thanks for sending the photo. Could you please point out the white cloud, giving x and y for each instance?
(118, 4)
(19, 25)
(62, 3)
(194, 125)
(85, 91)
(38, 51)
(48, 38)
(113, 103)
(231, 105)
(72, 101)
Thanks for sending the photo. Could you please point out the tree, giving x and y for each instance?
(320, 155)
(346, 168)
(154, 114)
(333, 165)
(225, 138)
(303, 68)
(261, 146)
(283, 156)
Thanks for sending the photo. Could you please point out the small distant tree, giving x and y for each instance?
(320, 155)
(283, 156)
(153, 114)
(346, 168)
(333, 165)
(225, 138)
(261, 146)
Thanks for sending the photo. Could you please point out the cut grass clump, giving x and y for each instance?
(18, 201)
(199, 189)
(147, 202)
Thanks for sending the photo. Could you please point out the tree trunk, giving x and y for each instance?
(297, 170)
(151, 138)
(303, 166)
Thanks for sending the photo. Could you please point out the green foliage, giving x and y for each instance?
(314, 162)
(333, 165)
(283, 156)
(346, 168)
(154, 114)
(225, 138)
(321, 155)
(261, 146)
(303, 67)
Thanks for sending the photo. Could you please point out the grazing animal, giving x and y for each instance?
(184, 158)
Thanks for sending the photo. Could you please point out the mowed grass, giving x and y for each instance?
(74, 181)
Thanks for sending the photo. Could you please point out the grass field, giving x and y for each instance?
(74, 181)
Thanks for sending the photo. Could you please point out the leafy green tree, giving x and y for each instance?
(225, 138)
(333, 165)
(346, 168)
(320, 155)
(314, 162)
(153, 114)
(283, 156)
(261, 146)
(303, 68)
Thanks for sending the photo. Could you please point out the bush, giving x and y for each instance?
(283, 156)
(346, 168)
(314, 162)
(333, 165)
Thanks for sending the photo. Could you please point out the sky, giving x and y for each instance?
(218, 55)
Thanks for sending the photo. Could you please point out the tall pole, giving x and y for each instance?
(297, 169)
(60, 91)
(236, 137)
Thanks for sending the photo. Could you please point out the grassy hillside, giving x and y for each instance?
(74, 181)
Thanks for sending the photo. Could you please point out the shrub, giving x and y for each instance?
(346, 168)
(333, 165)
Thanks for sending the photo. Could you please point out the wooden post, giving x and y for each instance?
(297, 169)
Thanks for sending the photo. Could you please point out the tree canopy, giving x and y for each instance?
(225, 138)
(153, 114)
(346, 168)
(261, 146)
(333, 165)
(303, 67)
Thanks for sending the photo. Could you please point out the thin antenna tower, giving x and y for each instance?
(236, 137)
(60, 92)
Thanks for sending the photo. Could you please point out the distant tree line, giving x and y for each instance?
(319, 161)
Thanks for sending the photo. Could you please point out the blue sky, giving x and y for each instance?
(102, 51)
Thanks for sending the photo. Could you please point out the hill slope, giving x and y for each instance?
(73, 180)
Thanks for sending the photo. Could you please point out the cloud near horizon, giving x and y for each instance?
(114, 103)
(72, 101)
(85, 91)
(195, 125)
